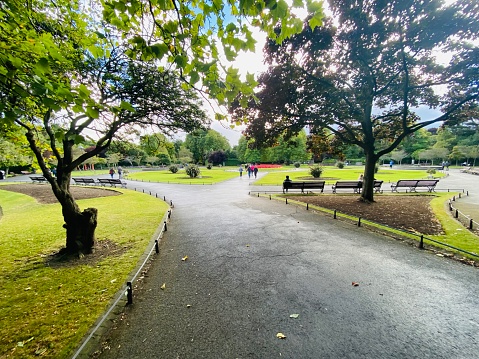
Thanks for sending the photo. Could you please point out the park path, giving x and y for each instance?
(253, 262)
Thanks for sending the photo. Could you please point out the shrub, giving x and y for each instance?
(209, 166)
(316, 171)
(340, 164)
(193, 171)
(173, 168)
(297, 164)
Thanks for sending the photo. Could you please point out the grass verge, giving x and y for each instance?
(212, 176)
(47, 307)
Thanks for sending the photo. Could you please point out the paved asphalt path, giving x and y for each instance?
(253, 262)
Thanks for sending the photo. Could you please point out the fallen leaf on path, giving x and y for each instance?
(163, 286)
(355, 284)
(294, 316)
(280, 336)
(185, 258)
(188, 306)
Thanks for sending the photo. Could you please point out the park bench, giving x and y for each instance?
(112, 182)
(412, 185)
(356, 186)
(303, 185)
(85, 181)
(39, 179)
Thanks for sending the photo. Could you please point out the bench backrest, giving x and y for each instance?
(406, 183)
(349, 184)
(426, 183)
(309, 184)
(378, 183)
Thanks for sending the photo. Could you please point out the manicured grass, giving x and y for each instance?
(211, 176)
(333, 174)
(46, 309)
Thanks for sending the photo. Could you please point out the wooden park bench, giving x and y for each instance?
(112, 182)
(85, 181)
(38, 179)
(356, 186)
(412, 185)
(303, 185)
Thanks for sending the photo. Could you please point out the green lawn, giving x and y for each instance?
(46, 309)
(333, 174)
(212, 176)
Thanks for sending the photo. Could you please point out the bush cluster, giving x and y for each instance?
(316, 171)
(173, 168)
(193, 171)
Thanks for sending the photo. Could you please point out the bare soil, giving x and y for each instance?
(406, 212)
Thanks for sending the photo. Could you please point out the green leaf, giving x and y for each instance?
(181, 60)
(78, 139)
(316, 20)
(92, 112)
(159, 50)
(127, 106)
(194, 77)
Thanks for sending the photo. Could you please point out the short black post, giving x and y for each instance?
(450, 206)
(470, 223)
(258, 194)
(453, 198)
(270, 197)
(150, 193)
(359, 222)
(421, 242)
(143, 190)
(334, 214)
(307, 206)
(156, 195)
(457, 213)
(286, 201)
(157, 248)
(129, 293)
(459, 194)
(164, 198)
(166, 228)
(467, 193)
(169, 213)
(171, 203)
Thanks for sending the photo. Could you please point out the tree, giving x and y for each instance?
(203, 142)
(61, 73)
(217, 157)
(362, 75)
(72, 92)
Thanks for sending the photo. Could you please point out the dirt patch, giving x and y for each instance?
(407, 212)
(43, 193)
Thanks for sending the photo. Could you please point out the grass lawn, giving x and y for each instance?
(333, 174)
(211, 176)
(46, 308)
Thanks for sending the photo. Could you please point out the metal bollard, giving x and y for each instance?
(166, 228)
(157, 248)
(164, 198)
(421, 242)
(459, 194)
(359, 222)
(169, 213)
(270, 197)
(334, 214)
(258, 194)
(307, 206)
(457, 214)
(286, 201)
(156, 195)
(470, 223)
(129, 293)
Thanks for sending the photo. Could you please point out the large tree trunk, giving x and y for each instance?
(367, 193)
(80, 226)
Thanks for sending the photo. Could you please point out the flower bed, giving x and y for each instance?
(268, 166)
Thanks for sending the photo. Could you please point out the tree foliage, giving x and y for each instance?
(362, 76)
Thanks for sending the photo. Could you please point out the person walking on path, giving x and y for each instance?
(255, 171)
(112, 172)
(240, 169)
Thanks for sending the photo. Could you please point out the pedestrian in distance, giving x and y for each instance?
(240, 169)
(120, 172)
(255, 171)
(112, 172)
